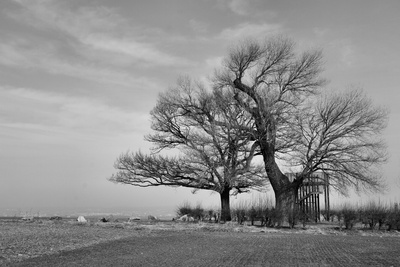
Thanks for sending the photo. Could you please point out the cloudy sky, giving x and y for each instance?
(78, 79)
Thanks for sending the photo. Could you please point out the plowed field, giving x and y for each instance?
(211, 247)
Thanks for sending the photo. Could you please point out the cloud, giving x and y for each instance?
(239, 7)
(198, 26)
(347, 54)
(47, 58)
(320, 32)
(55, 14)
(214, 62)
(99, 27)
(146, 53)
(31, 110)
(249, 30)
(248, 8)
(342, 51)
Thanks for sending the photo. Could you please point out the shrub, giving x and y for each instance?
(197, 213)
(264, 206)
(239, 214)
(373, 214)
(255, 210)
(328, 217)
(297, 215)
(349, 215)
(186, 209)
(275, 216)
(252, 214)
(334, 214)
(393, 218)
(212, 215)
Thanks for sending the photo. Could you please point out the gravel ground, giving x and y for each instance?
(43, 242)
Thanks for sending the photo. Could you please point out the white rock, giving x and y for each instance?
(81, 219)
(152, 218)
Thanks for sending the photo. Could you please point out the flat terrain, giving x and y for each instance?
(182, 244)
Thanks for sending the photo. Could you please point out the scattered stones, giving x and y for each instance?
(27, 218)
(132, 219)
(81, 219)
(152, 218)
(186, 218)
(103, 220)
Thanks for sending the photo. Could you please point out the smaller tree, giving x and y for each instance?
(210, 132)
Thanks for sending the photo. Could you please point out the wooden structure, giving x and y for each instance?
(308, 196)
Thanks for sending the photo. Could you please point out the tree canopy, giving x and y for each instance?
(210, 132)
(334, 133)
(267, 100)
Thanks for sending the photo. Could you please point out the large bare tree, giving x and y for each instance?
(210, 132)
(279, 88)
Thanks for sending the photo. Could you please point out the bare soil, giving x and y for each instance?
(66, 243)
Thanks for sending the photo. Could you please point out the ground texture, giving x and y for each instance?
(71, 244)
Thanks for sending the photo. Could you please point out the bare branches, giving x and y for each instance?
(338, 134)
(341, 137)
(263, 102)
(271, 75)
(212, 134)
(144, 171)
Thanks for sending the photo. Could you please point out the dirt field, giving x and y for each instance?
(173, 244)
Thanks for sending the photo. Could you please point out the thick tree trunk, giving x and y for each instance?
(266, 126)
(225, 205)
(285, 191)
(285, 206)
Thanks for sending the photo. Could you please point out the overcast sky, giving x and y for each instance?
(78, 79)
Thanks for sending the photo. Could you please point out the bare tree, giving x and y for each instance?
(210, 132)
(337, 134)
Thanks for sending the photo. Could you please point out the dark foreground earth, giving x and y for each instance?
(227, 248)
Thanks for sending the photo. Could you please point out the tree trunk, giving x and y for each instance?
(266, 127)
(285, 206)
(284, 190)
(225, 205)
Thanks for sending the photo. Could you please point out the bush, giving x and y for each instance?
(212, 215)
(255, 210)
(373, 214)
(349, 215)
(297, 215)
(331, 214)
(197, 212)
(264, 207)
(370, 215)
(393, 218)
(334, 214)
(274, 217)
(239, 214)
(252, 214)
(186, 209)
